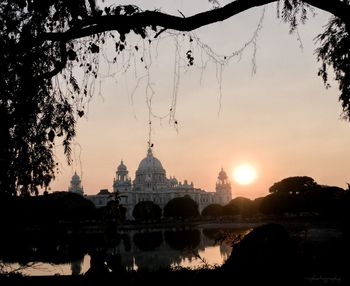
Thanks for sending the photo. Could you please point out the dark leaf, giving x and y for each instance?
(51, 135)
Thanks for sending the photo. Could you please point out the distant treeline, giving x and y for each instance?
(293, 196)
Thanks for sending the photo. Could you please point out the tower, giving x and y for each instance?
(223, 187)
(122, 182)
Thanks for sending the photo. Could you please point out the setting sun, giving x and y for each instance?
(244, 174)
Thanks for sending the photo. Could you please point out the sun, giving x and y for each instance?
(244, 174)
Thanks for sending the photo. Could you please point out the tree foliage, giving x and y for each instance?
(183, 207)
(114, 211)
(303, 194)
(48, 208)
(213, 210)
(147, 210)
(42, 39)
(293, 185)
(334, 52)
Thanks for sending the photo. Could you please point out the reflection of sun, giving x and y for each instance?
(244, 174)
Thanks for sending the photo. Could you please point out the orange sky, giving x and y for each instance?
(281, 120)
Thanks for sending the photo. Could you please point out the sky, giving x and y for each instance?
(280, 119)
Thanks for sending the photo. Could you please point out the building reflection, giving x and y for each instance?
(152, 250)
(130, 250)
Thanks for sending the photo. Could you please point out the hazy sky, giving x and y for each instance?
(280, 120)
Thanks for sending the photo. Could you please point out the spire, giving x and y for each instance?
(149, 150)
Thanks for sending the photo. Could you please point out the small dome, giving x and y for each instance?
(76, 178)
(222, 175)
(122, 167)
(150, 163)
(173, 180)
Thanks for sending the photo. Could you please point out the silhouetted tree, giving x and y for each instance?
(41, 39)
(147, 210)
(53, 208)
(243, 206)
(325, 200)
(213, 210)
(183, 207)
(293, 185)
(302, 194)
(282, 203)
(230, 210)
(114, 210)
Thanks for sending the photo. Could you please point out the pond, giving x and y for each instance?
(149, 249)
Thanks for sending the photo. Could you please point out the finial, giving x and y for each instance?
(149, 150)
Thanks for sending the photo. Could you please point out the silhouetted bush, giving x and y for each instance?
(241, 206)
(183, 207)
(266, 254)
(213, 210)
(147, 210)
(230, 210)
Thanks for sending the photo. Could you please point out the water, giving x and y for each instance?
(133, 250)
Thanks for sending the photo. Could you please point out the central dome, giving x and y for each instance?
(150, 163)
(150, 175)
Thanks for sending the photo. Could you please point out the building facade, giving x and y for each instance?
(152, 184)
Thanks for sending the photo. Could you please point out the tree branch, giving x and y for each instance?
(105, 23)
(125, 23)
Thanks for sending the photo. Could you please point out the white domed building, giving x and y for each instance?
(152, 184)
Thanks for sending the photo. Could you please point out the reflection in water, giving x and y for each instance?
(133, 250)
(76, 266)
(183, 239)
(148, 241)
